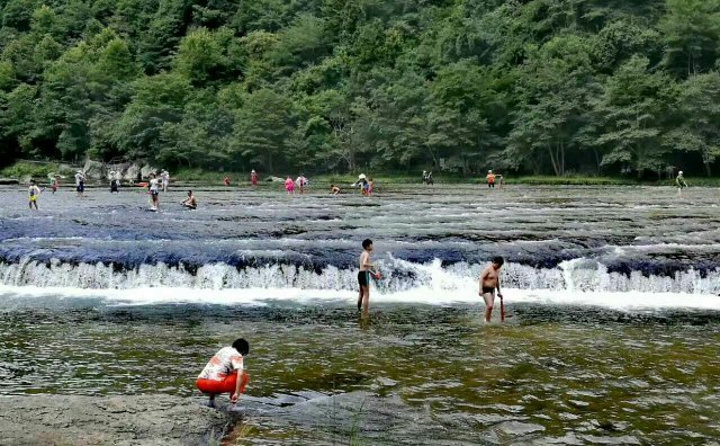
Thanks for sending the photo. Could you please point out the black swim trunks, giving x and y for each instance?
(364, 278)
(487, 290)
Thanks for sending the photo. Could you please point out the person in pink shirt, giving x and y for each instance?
(254, 178)
(290, 185)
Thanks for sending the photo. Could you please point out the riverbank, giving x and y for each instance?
(23, 170)
(110, 420)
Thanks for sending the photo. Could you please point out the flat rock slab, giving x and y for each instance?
(112, 420)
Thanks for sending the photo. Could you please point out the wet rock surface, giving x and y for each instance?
(124, 420)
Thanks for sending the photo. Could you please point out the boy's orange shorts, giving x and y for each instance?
(227, 385)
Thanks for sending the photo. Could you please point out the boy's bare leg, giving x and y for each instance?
(360, 298)
(489, 302)
(366, 301)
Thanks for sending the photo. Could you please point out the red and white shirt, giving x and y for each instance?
(222, 364)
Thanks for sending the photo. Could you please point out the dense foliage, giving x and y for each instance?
(541, 86)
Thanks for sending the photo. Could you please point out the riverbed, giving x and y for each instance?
(611, 337)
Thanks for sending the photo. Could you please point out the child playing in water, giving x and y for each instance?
(334, 189)
(366, 269)
(33, 194)
(489, 281)
(225, 373)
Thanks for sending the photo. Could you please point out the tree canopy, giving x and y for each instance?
(538, 86)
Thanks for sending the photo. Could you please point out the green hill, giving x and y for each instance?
(552, 87)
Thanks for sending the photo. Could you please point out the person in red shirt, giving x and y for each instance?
(491, 179)
(254, 178)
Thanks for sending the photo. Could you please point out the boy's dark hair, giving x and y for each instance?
(189, 192)
(242, 346)
(32, 182)
(498, 260)
(366, 243)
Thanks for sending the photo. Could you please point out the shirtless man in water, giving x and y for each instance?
(489, 282)
(366, 269)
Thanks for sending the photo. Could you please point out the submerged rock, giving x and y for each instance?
(112, 420)
(518, 428)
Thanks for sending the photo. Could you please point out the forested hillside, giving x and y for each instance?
(540, 86)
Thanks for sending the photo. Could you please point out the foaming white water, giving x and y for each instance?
(264, 296)
(575, 276)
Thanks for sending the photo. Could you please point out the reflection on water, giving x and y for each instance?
(413, 375)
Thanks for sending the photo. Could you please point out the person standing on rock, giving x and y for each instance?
(165, 176)
(80, 183)
(225, 373)
(489, 282)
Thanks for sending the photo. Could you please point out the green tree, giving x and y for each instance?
(264, 127)
(554, 92)
(699, 111)
(692, 31)
(634, 110)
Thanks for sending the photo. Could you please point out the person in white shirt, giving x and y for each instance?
(165, 176)
(33, 194)
(225, 373)
(80, 183)
(301, 182)
(154, 192)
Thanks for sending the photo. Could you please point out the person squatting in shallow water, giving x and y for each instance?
(225, 373)
(190, 202)
(489, 282)
(366, 269)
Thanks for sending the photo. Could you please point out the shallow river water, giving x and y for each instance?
(612, 336)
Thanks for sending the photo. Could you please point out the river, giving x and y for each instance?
(612, 335)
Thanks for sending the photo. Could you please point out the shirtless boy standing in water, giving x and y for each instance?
(489, 281)
(366, 268)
